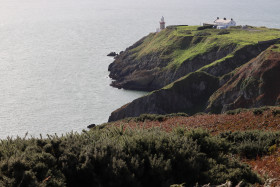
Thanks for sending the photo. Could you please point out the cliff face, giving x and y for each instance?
(189, 94)
(195, 64)
(161, 58)
(255, 84)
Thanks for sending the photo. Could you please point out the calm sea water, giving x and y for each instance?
(53, 64)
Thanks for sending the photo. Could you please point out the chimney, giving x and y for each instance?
(225, 18)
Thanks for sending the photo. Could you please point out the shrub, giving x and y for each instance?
(275, 112)
(251, 144)
(150, 117)
(205, 27)
(155, 117)
(257, 112)
(114, 157)
(236, 111)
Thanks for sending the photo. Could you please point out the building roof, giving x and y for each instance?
(222, 21)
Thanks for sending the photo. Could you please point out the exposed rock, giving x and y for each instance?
(204, 80)
(149, 72)
(189, 94)
(255, 84)
(91, 126)
(152, 70)
(112, 54)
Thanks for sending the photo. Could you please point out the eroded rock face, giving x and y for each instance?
(152, 71)
(189, 94)
(255, 84)
(151, 64)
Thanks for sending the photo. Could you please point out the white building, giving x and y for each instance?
(224, 23)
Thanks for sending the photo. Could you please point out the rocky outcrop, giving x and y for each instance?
(112, 54)
(255, 84)
(152, 72)
(200, 71)
(189, 94)
(138, 68)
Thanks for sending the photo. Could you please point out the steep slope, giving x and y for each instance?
(205, 84)
(161, 58)
(189, 94)
(255, 84)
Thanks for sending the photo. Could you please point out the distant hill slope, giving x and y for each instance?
(202, 76)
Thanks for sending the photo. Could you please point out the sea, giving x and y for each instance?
(53, 63)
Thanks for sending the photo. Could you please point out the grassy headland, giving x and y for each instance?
(196, 69)
(186, 42)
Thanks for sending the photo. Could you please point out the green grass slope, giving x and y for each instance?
(185, 42)
(161, 58)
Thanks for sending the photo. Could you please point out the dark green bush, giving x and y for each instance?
(236, 111)
(275, 112)
(122, 157)
(251, 144)
(205, 27)
(257, 112)
(155, 117)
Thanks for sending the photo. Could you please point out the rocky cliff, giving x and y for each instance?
(189, 94)
(255, 84)
(189, 68)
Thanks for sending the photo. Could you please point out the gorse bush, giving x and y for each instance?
(251, 144)
(236, 111)
(121, 157)
(155, 117)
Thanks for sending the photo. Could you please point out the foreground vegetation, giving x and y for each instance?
(116, 156)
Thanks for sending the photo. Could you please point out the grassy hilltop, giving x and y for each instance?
(194, 69)
(161, 58)
(182, 43)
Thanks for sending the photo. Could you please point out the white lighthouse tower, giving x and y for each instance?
(162, 23)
